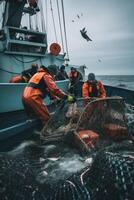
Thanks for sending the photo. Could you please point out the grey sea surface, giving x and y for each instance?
(123, 81)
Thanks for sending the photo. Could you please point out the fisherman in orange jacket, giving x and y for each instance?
(25, 75)
(39, 86)
(93, 88)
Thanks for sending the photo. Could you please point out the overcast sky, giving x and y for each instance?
(110, 24)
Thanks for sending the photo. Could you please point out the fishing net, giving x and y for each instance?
(62, 122)
(130, 118)
(111, 176)
(105, 117)
(57, 118)
(18, 178)
(22, 171)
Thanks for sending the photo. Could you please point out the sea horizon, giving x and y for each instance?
(122, 81)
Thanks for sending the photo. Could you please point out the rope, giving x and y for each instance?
(30, 24)
(13, 14)
(46, 17)
(4, 14)
(9, 71)
(60, 26)
(43, 23)
(25, 61)
(53, 21)
(36, 22)
(1, 12)
(64, 28)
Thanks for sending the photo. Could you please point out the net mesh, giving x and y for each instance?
(110, 177)
(112, 173)
(105, 117)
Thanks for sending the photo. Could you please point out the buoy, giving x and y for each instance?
(55, 49)
(86, 139)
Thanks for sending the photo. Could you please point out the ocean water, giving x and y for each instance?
(123, 81)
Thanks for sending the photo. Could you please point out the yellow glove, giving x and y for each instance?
(70, 99)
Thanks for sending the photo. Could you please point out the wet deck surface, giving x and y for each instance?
(12, 118)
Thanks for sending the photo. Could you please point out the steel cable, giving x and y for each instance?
(60, 26)
(53, 21)
(63, 13)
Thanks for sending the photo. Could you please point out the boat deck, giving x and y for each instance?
(12, 118)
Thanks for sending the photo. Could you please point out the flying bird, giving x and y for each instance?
(84, 34)
(78, 16)
(72, 20)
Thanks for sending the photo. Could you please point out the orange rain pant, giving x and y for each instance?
(34, 105)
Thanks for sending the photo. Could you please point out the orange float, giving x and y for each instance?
(55, 49)
(86, 139)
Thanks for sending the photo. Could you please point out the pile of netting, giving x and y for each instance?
(130, 118)
(18, 175)
(105, 117)
(23, 172)
(111, 176)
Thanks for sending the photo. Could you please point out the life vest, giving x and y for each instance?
(93, 89)
(86, 139)
(73, 75)
(37, 82)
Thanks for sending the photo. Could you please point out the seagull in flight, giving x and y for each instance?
(84, 34)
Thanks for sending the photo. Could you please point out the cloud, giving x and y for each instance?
(109, 24)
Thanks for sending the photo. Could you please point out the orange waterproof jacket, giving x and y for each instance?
(73, 74)
(18, 79)
(43, 84)
(98, 90)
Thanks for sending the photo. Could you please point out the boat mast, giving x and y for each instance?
(13, 12)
